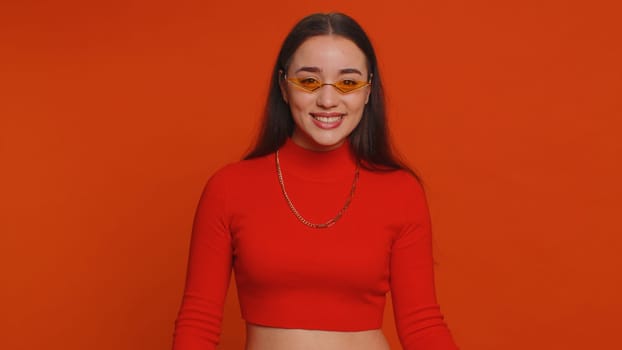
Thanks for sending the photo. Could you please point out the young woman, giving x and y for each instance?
(320, 220)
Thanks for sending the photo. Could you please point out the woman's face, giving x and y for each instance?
(325, 117)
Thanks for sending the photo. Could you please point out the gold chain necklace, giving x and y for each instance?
(328, 223)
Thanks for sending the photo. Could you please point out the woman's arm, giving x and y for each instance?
(198, 324)
(418, 319)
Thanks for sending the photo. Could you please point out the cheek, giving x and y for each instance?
(357, 103)
(300, 103)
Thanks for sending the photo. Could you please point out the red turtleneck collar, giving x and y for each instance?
(317, 165)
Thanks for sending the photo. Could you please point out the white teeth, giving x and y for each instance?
(328, 119)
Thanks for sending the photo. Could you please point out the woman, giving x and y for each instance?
(319, 221)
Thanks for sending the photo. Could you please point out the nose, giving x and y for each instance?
(327, 96)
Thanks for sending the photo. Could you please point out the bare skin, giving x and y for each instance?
(269, 338)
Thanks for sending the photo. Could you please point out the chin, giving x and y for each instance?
(328, 144)
(317, 144)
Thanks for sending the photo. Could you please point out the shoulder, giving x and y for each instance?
(402, 192)
(398, 181)
(239, 172)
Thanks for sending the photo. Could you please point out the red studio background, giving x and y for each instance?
(113, 114)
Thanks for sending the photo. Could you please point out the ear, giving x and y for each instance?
(282, 86)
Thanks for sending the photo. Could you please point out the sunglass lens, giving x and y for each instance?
(309, 84)
(349, 85)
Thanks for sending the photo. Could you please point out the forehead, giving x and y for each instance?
(329, 53)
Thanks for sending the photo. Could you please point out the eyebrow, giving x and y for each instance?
(318, 70)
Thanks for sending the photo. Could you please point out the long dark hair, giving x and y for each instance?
(369, 140)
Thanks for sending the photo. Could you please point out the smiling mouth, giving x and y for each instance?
(333, 118)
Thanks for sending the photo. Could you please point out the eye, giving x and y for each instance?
(308, 81)
(349, 82)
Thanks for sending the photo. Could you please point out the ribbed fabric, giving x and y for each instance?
(289, 275)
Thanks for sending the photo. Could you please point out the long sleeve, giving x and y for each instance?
(419, 322)
(198, 323)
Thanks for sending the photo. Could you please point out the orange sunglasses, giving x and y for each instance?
(344, 86)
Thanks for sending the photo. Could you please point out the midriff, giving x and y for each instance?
(270, 338)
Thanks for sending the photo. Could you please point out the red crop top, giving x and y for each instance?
(289, 275)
